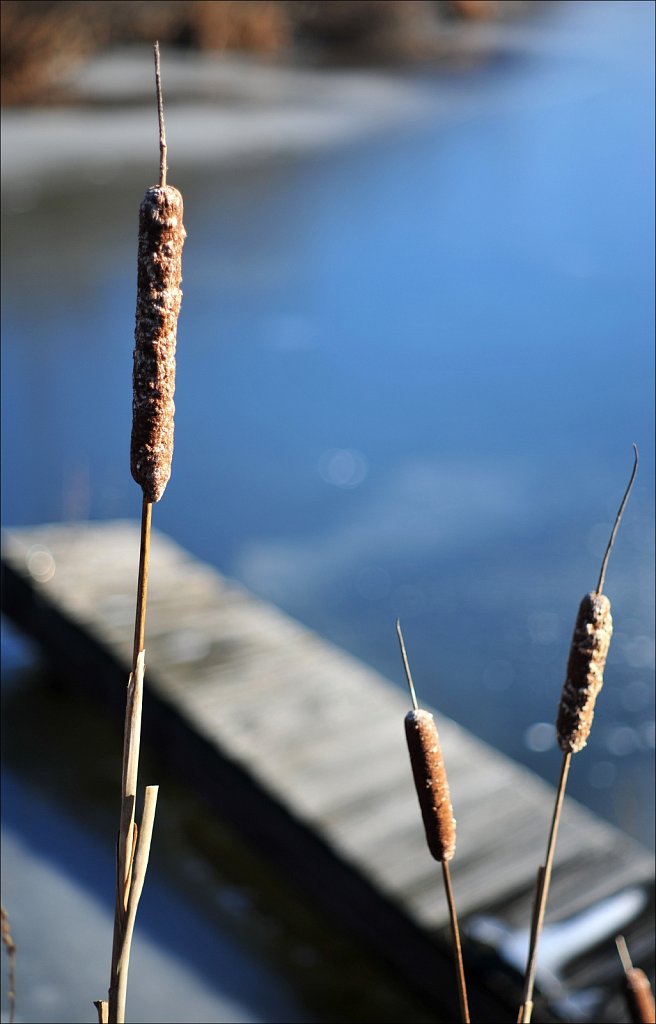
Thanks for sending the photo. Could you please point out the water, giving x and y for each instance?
(409, 376)
(220, 936)
(193, 970)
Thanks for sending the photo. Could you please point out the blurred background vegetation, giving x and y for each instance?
(43, 38)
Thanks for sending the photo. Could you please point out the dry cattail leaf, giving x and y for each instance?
(585, 672)
(431, 783)
(161, 237)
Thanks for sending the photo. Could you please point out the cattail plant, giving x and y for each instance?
(637, 990)
(583, 683)
(161, 237)
(432, 787)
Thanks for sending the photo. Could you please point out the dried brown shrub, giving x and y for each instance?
(257, 27)
(40, 41)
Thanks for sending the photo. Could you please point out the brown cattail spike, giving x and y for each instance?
(159, 272)
(587, 656)
(431, 784)
(639, 996)
(585, 672)
(161, 237)
(436, 810)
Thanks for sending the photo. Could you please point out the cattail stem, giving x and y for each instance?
(142, 584)
(457, 949)
(130, 842)
(138, 866)
(542, 894)
(10, 946)
(526, 1009)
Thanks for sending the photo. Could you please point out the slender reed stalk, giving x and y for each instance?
(161, 236)
(457, 948)
(10, 946)
(639, 996)
(585, 676)
(541, 894)
(437, 813)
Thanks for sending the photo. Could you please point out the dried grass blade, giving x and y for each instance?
(138, 877)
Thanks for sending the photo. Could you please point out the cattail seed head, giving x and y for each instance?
(161, 237)
(431, 784)
(585, 672)
(639, 996)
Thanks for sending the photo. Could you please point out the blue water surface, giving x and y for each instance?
(409, 376)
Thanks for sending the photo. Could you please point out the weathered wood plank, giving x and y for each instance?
(312, 744)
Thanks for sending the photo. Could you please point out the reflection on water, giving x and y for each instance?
(219, 937)
(409, 378)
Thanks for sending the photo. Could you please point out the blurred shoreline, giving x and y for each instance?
(42, 43)
(218, 110)
(345, 79)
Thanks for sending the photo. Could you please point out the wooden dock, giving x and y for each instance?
(302, 748)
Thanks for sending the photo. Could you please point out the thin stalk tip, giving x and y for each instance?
(408, 674)
(623, 951)
(618, 517)
(160, 116)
